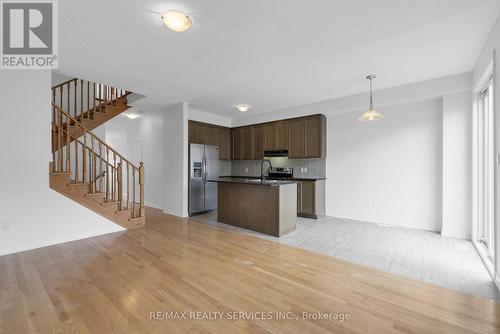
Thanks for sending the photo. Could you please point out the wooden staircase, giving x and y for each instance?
(85, 168)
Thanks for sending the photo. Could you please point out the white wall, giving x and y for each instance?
(205, 117)
(457, 165)
(415, 92)
(388, 171)
(486, 57)
(163, 138)
(176, 160)
(32, 215)
(121, 133)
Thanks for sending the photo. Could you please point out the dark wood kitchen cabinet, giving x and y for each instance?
(247, 143)
(225, 147)
(212, 135)
(295, 141)
(209, 134)
(307, 137)
(281, 135)
(311, 199)
(258, 142)
(197, 132)
(303, 137)
(315, 137)
(237, 134)
(269, 136)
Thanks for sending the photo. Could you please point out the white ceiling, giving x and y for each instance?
(269, 53)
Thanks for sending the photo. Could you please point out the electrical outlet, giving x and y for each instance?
(5, 225)
(305, 169)
(246, 170)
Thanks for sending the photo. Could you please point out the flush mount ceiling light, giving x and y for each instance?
(371, 114)
(242, 107)
(176, 20)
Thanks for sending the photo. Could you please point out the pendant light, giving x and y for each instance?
(371, 114)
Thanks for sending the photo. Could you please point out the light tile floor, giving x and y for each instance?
(427, 256)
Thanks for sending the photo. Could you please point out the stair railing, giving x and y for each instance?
(82, 98)
(78, 151)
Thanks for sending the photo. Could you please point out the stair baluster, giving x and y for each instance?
(120, 184)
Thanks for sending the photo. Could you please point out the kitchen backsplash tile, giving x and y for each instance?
(302, 167)
(225, 168)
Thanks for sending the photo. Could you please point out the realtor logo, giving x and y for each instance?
(29, 34)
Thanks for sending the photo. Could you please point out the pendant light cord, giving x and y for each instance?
(371, 77)
(371, 93)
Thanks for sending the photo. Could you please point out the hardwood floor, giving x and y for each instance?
(112, 283)
(423, 255)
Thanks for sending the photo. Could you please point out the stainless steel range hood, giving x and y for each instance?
(276, 153)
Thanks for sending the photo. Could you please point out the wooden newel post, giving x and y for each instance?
(119, 181)
(141, 186)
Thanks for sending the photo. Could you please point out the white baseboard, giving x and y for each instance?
(490, 267)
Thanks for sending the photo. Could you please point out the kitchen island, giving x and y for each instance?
(268, 206)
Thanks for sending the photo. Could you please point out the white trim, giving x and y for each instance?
(490, 266)
(488, 74)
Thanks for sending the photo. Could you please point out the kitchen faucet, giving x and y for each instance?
(262, 168)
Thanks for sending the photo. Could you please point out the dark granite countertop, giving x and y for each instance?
(279, 178)
(254, 181)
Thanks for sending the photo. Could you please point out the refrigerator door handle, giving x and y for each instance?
(204, 171)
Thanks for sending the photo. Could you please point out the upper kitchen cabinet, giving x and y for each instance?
(276, 136)
(237, 135)
(258, 142)
(315, 137)
(212, 135)
(197, 132)
(269, 136)
(225, 147)
(296, 138)
(281, 135)
(307, 137)
(247, 143)
(303, 137)
(209, 134)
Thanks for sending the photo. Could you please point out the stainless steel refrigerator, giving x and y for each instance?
(203, 166)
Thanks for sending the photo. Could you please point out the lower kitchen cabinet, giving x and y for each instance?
(311, 199)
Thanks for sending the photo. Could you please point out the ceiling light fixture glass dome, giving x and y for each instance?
(371, 114)
(242, 107)
(176, 20)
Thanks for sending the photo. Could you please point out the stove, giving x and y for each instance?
(281, 172)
